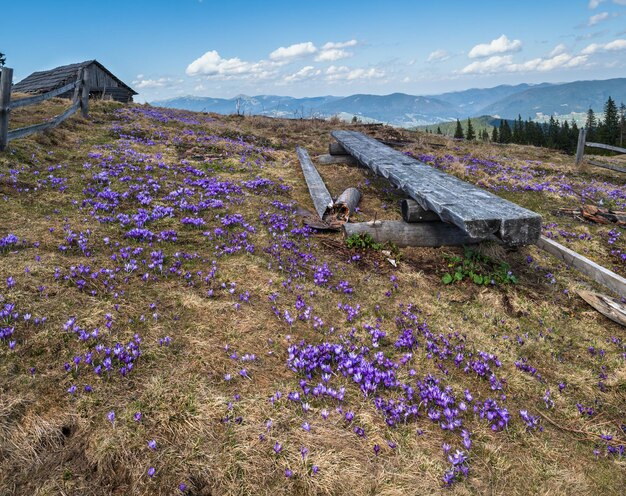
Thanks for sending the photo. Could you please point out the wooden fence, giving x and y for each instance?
(580, 151)
(80, 100)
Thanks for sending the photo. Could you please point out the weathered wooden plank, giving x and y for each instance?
(6, 78)
(609, 307)
(474, 210)
(336, 159)
(31, 100)
(596, 272)
(413, 212)
(580, 149)
(336, 149)
(607, 166)
(320, 195)
(402, 233)
(26, 131)
(606, 147)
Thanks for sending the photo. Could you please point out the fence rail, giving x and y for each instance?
(582, 143)
(80, 100)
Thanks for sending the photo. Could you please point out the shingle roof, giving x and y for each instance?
(42, 81)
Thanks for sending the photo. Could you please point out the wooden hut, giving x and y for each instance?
(102, 82)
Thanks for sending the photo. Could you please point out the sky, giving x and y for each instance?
(166, 49)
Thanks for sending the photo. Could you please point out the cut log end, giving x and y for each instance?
(413, 212)
(346, 204)
(336, 149)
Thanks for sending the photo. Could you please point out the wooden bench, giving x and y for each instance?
(477, 212)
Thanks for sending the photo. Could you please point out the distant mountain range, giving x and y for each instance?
(402, 110)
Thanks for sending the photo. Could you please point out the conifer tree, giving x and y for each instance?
(622, 124)
(591, 124)
(3, 59)
(470, 135)
(494, 135)
(458, 132)
(505, 132)
(438, 130)
(609, 131)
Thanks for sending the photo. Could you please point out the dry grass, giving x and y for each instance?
(54, 443)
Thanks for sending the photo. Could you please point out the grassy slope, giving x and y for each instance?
(212, 433)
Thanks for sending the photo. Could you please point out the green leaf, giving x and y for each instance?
(447, 278)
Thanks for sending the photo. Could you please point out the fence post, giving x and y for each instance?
(78, 87)
(580, 149)
(6, 78)
(84, 99)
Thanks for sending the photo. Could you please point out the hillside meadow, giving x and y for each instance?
(169, 326)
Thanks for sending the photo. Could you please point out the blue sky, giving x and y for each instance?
(165, 49)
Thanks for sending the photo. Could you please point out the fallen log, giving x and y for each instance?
(345, 204)
(591, 269)
(413, 212)
(319, 194)
(336, 159)
(609, 307)
(336, 149)
(596, 214)
(401, 233)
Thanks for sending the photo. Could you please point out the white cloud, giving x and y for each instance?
(307, 72)
(341, 44)
(339, 73)
(212, 65)
(595, 19)
(332, 54)
(438, 56)
(499, 45)
(292, 52)
(140, 83)
(594, 3)
(332, 51)
(500, 64)
(492, 64)
(560, 48)
(599, 47)
(562, 60)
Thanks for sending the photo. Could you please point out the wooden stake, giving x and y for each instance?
(84, 99)
(6, 78)
(580, 149)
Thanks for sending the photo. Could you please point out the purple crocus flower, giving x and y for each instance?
(111, 416)
(152, 444)
(151, 472)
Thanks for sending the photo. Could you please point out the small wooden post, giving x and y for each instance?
(79, 86)
(84, 99)
(580, 149)
(6, 78)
